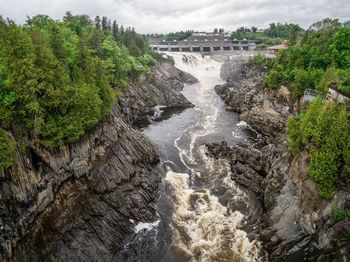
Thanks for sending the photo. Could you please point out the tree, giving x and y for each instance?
(294, 34)
(55, 77)
(109, 25)
(254, 29)
(216, 30)
(40, 21)
(98, 23)
(115, 31)
(20, 63)
(104, 23)
(96, 40)
(339, 49)
(57, 41)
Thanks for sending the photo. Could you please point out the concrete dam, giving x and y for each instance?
(203, 43)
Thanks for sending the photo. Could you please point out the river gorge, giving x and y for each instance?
(190, 165)
(200, 225)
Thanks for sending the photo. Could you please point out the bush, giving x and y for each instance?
(275, 77)
(324, 127)
(293, 129)
(305, 80)
(340, 214)
(7, 150)
(260, 60)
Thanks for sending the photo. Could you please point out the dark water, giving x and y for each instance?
(193, 224)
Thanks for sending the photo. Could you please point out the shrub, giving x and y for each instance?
(275, 77)
(7, 150)
(324, 127)
(340, 214)
(260, 60)
(293, 129)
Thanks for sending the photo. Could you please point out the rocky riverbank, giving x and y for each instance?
(297, 224)
(159, 89)
(81, 201)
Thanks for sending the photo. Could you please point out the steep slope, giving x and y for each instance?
(297, 223)
(81, 201)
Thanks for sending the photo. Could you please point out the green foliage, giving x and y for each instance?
(56, 77)
(339, 49)
(260, 60)
(319, 61)
(294, 35)
(260, 38)
(340, 214)
(276, 77)
(7, 150)
(294, 133)
(305, 80)
(281, 30)
(325, 128)
(274, 35)
(156, 55)
(178, 36)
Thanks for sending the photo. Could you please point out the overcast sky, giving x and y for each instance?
(150, 16)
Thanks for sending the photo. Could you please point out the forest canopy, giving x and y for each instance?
(318, 59)
(59, 78)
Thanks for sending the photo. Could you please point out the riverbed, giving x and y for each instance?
(197, 220)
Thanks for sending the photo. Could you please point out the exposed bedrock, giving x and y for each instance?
(160, 88)
(297, 223)
(81, 201)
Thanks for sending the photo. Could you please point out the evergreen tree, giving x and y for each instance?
(115, 31)
(104, 23)
(57, 41)
(109, 25)
(96, 40)
(294, 34)
(55, 77)
(98, 23)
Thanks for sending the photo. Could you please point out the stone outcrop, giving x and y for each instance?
(159, 88)
(297, 223)
(244, 93)
(81, 201)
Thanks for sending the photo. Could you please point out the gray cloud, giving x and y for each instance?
(150, 16)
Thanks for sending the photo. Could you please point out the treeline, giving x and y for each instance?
(59, 78)
(318, 59)
(178, 36)
(273, 35)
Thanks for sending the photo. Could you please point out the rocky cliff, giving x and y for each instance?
(297, 224)
(160, 88)
(80, 202)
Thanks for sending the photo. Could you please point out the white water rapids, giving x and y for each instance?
(198, 218)
(202, 227)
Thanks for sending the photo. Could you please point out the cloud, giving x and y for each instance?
(150, 16)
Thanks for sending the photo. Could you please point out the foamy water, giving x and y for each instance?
(198, 218)
(203, 228)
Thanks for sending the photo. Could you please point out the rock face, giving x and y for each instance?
(80, 202)
(297, 224)
(160, 88)
(244, 93)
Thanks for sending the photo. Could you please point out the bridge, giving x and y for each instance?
(204, 43)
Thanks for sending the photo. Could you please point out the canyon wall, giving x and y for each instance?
(80, 201)
(297, 224)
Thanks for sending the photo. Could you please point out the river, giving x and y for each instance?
(198, 220)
